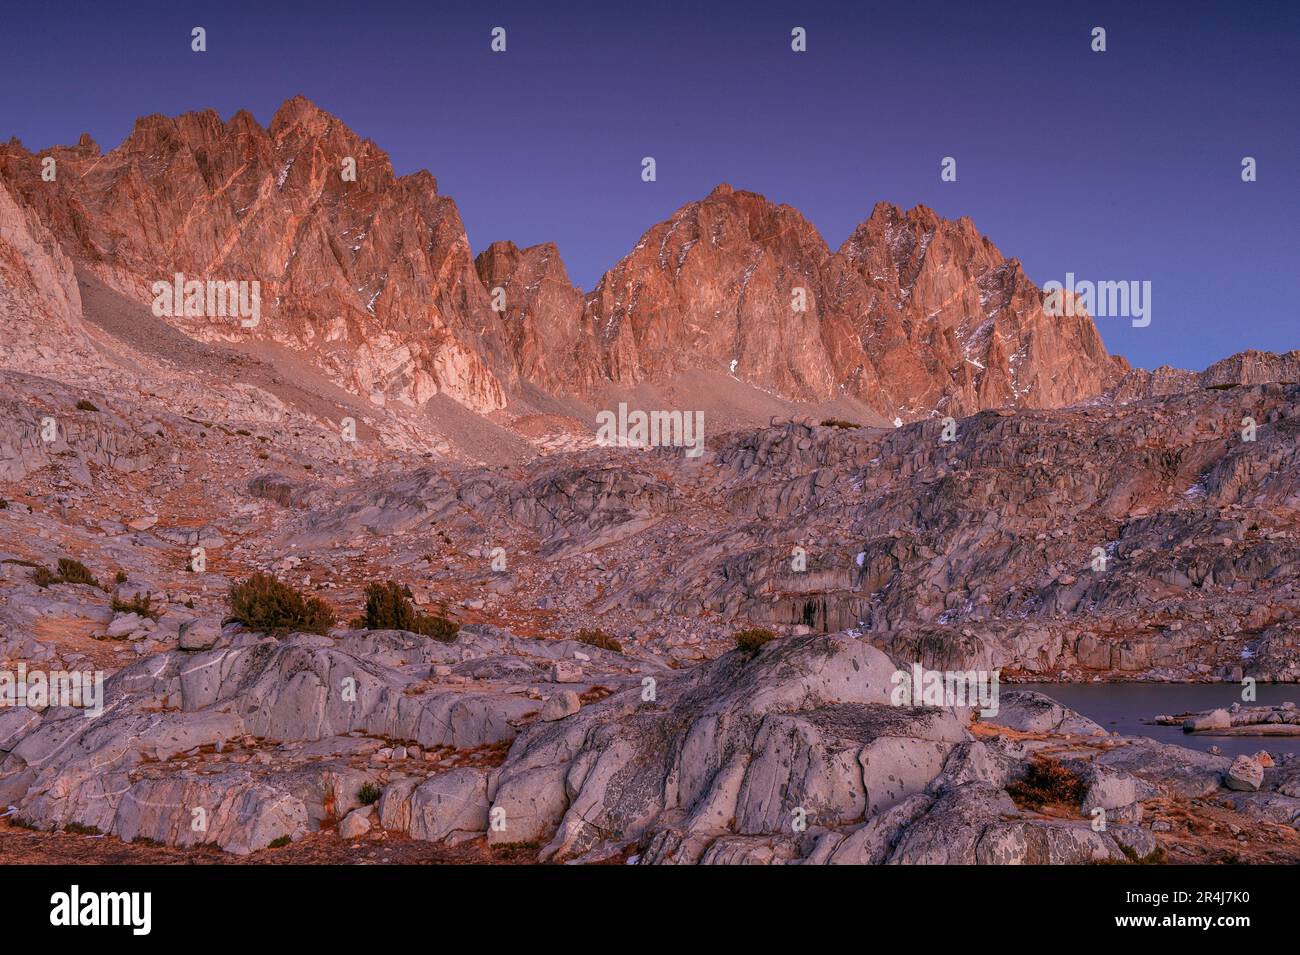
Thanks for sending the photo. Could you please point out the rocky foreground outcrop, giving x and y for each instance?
(248, 739)
(794, 754)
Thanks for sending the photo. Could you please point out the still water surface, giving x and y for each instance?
(1122, 708)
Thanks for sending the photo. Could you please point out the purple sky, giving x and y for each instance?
(1114, 166)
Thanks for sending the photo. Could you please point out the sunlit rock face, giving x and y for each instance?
(370, 278)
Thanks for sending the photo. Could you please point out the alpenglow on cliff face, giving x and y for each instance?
(370, 277)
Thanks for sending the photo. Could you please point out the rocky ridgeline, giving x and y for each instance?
(368, 277)
(1244, 368)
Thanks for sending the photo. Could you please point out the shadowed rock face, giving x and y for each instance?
(985, 548)
(541, 316)
(372, 280)
(40, 305)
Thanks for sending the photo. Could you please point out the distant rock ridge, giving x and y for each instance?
(1249, 367)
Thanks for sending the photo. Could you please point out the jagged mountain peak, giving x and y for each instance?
(300, 111)
(372, 278)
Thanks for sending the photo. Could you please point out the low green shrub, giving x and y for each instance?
(75, 572)
(44, 577)
(264, 603)
(142, 605)
(751, 641)
(598, 639)
(388, 607)
(69, 572)
(1048, 782)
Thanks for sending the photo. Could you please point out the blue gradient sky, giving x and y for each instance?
(1122, 165)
